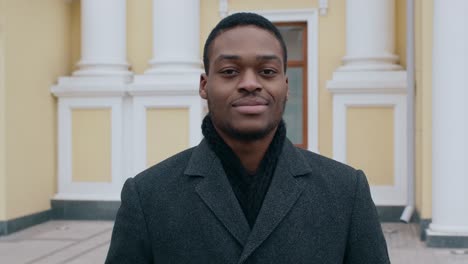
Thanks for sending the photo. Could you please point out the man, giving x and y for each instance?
(246, 194)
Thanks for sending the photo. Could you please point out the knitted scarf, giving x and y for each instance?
(250, 190)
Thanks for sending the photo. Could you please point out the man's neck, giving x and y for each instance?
(250, 153)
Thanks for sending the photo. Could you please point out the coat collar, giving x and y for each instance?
(217, 194)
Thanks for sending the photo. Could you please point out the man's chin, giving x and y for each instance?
(250, 134)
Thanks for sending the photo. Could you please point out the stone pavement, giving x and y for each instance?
(73, 242)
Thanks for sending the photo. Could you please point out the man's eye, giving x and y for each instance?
(268, 72)
(228, 72)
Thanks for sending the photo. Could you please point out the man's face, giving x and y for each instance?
(246, 86)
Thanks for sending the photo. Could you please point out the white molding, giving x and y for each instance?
(223, 8)
(382, 195)
(86, 197)
(66, 185)
(141, 104)
(310, 16)
(323, 7)
(91, 86)
(390, 82)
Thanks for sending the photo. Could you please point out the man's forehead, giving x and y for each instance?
(246, 38)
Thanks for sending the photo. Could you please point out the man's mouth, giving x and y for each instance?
(250, 105)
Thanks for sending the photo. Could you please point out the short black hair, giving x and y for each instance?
(243, 19)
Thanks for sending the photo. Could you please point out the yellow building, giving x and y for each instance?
(94, 91)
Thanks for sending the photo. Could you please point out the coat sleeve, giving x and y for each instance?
(130, 238)
(366, 242)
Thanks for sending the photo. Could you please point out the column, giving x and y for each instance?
(449, 126)
(370, 36)
(176, 36)
(103, 38)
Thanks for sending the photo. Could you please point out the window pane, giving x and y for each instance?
(293, 35)
(293, 115)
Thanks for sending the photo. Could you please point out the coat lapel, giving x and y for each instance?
(280, 198)
(216, 192)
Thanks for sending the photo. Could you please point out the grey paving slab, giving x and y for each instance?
(21, 252)
(95, 256)
(405, 247)
(76, 250)
(76, 230)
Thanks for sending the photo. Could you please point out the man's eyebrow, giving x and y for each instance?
(227, 57)
(268, 57)
(237, 57)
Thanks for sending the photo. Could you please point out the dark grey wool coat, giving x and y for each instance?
(183, 210)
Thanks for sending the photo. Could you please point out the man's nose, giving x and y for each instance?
(249, 82)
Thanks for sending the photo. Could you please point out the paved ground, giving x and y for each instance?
(74, 242)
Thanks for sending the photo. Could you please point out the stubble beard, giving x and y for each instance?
(244, 136)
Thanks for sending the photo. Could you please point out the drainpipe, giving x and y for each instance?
(409, 209)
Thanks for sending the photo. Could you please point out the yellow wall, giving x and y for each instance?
(209, 16)
(270, 4)
(2, 116)
(139, 34)
(37, 53)
(423, 48)
(400, 31)
(75, 33)
(91, 145)
(332, 48)
(370, 141)
(167, 133)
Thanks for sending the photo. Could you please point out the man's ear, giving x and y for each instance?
(202, 87)
(287, 88)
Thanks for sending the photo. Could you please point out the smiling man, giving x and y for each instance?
(246, 194)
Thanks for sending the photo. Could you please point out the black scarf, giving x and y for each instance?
(250, 190)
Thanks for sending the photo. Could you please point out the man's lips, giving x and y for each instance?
(250, 105)
(250, 101)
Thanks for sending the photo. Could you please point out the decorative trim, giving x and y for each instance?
(390, 213)
(141, 104)
(84, 210)
(310, 16)
(323, 7)
(66, 186)
(223, 8)
(435, 240)
(381, 82)
(423, 226)
(90, 86)
(160, 83)
(20, 223)
(383, 195)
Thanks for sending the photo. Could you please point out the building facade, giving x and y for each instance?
(94, 91)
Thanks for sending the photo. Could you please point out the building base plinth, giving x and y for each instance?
(446, 240)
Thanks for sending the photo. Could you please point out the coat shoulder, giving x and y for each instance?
(338, 177)
(326, 165)
(166, 170)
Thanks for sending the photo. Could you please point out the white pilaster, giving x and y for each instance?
(103, 39)
(370, 76)
(449, 121)
(99, 83)
(176, 38)
(370, 36)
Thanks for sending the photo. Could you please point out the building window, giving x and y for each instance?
(295, 115)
